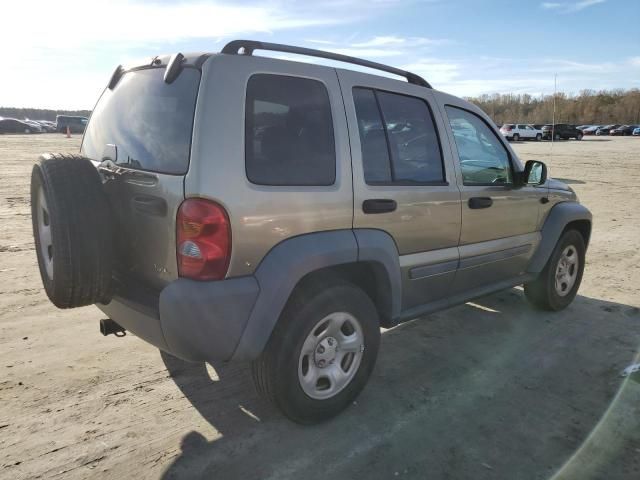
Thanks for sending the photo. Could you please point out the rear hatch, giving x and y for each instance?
(140, 131)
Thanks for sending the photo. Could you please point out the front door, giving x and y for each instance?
(401, 166)
(499, 219)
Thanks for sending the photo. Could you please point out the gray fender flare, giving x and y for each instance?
(289, 261)
(558, 218)
(379, 248)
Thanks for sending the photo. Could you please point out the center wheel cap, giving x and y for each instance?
(325, 352)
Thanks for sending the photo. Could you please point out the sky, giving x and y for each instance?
(60, 54)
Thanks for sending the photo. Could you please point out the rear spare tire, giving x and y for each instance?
(72, 229)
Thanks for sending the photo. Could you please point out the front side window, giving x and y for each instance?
(398, 138)
(288, 132)
(483, 158)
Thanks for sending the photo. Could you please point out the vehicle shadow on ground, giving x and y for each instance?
(489, 389)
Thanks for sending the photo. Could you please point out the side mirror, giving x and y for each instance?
(535, 173)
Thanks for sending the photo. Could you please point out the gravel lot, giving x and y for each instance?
(488, 390)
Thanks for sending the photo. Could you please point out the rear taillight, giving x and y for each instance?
(203, 240)
(508, 129)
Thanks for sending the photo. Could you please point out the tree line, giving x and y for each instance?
(587, 107)
(39, 113)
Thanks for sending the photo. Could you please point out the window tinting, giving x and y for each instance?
(289, 132)
(148, 120)
(375, 153)
(483, 158)
(398, 128)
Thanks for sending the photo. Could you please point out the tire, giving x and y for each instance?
(579, 137)
(557, 137)
(516, 137)
(72, 229)
(278, 373)
(538, 137)
(542, 292)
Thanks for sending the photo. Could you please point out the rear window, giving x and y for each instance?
(148, 120)
(289, 132)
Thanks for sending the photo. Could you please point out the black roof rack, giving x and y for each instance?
(248, 46)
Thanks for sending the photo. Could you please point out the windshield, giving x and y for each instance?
(148, 121)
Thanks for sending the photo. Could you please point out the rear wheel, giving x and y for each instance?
(72, 230)
(538, 137)
(516, 137)
(321, 353)
(579, 136)
(557, 136)
(558, 283)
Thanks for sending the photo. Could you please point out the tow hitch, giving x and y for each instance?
(108, 326)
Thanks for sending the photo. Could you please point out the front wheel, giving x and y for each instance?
(538, 137)
(579, 136)
(558, 283)
(557, 137)
(321, 353)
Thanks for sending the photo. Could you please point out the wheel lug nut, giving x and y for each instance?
(321, 363)
(320, 349)
(330, 341)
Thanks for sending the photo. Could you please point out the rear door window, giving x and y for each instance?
(288, 132)
(398, 139)
(149, 121)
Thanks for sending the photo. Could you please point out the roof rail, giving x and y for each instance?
(248, 46)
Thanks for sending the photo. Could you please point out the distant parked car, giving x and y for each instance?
(561, 131)
(11, 125)
(623, 130)
(582, 127)
(37, 128)
(636, 132)
(520, 131)
(47, 125)
(75, 124)
(591, 130)
(606, 129)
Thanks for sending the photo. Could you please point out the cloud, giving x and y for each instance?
(391, 40)
(476, 76)
(435, 71)
(379, 46)
(123, 22)
(78, 45)
(570, 7)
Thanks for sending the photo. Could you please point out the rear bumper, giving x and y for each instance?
(196, 321)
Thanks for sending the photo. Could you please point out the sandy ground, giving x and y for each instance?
(488, 390)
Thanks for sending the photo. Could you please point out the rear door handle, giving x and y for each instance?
(480, 202)
(379, 205)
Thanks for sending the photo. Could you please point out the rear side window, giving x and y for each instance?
(398, 138)
(149, 121)
(288, 132)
